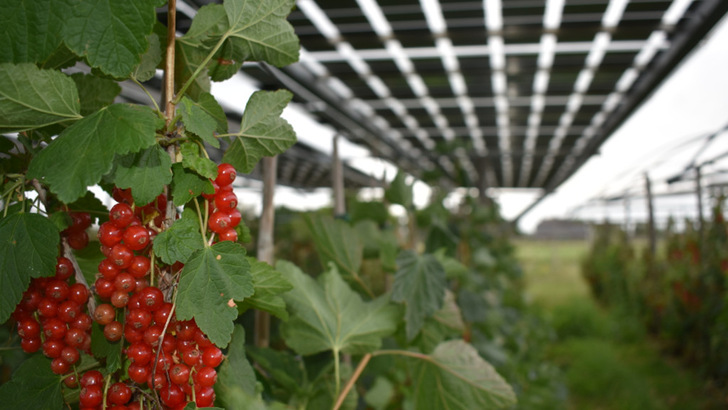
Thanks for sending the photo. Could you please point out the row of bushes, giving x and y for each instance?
(679, 293)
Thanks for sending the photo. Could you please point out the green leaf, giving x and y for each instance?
(456, 377)
(235, 373)
(33, 386)
(111, 34)
(283, 367)
(61, 58)
(209, 104)
(445, 323)
(192, 406)
(193, 159)
(150, 60)
(89, 258)
(187, 59)
(260, 32)
(211, 280)
(380, 394)
(89, 147)
(30, 29)
(187, 184)
(28, 249)
(198, 121)
(225, 63)
(33, 98)
(269, 284)
(101, 347)
(94, 92)
(399, 192)
(262, 131)
(328, 315)
(337, 242)
(420, 284)
(146, 172)
(209, 24)
(180, 241)
(453, 268)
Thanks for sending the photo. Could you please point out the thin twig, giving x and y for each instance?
(169, 63)
(354, 377)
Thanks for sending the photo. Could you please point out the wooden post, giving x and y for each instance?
(265, 243)
(699, 192)
(337, 176)
(651, 235)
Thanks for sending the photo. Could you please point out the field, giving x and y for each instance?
(608, 361)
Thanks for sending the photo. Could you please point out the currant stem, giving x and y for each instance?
(354, 377)
(154, 102)
(199, 69)
(169, 62)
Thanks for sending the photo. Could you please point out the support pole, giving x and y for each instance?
(650, 218)
(337, 176)
(265, 243)
(699, 193)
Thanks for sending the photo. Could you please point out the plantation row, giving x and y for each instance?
(680, 294)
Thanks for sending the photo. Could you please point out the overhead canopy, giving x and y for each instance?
(483, 93)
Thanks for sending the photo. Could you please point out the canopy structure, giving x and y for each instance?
(482, 93)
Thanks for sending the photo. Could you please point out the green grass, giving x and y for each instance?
(608, 361)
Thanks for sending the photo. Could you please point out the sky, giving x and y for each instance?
(690, 102)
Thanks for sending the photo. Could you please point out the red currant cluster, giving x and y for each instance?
(224, 203)
(52, 316)
(76, 233)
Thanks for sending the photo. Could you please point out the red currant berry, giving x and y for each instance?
(161, 314)
(70, 354)
(235, 217)
(79, 221)
(31, 299)
(152, 298)
(78, 292)
(77, 239)
(64, 268)
(119, 299)
(104, 314)
(82, 321)
(57, 290)
(122, 195)
(121, 255)
(204, 396)
(186, 330)
(229, 234)
(151, 335)
(108, 268)
(47, 307)
(136, 237)
(68, 310)
(139, 266)
(202, 340)
(60, 366)
(119, 393)
(212, 356)
(179, 374)
(206, 376)
(75, 337)
(109, 234)
(124, 281)
(138, 319)
(71, 381)
(121, 215)
(132, 335)
(104, 287)
(52, 348)
(157, 381)
(219, 221)
(140, 353)
(28, 328)
(138, 373)
(172, 395)
(192, 358)
(92, 378)
(91, 396)
(30, 345)
(225, 174)
(113, 331)
(225, 201)
(54, 328)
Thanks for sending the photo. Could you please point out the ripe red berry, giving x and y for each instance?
(226, 200)
(57, 290)
(108, 269)
(212, 356)
(138, 373)
(52, 348)
(204, 396)
(79, 221)
(104, 287)
(82, 321)
(75, 337)
(219, 221)
(104, 314)
(78, 293)
(30, 345)
(64, 268)
(119, 299)
(229, 234)
(71, 381)
(235, 217)
(91, 395)
(179, 374)
(132, 335)
(119, 393)
(47, 307)
(60, 366)
(124, 281)
(136, 237)
(92, 378)
(109, 234)
(121, 215)
(68, 310)
(77, 239)
(172, 395)
(122, 195)
(121, 255)
(54, 328)
(140, 353)
(28, 328)
(70, 354)
(206, 376)
(139, 266)
(138, 319)
(113, 331)
(225, 174)
(151, 298)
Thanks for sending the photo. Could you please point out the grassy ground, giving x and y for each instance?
(608, 361)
